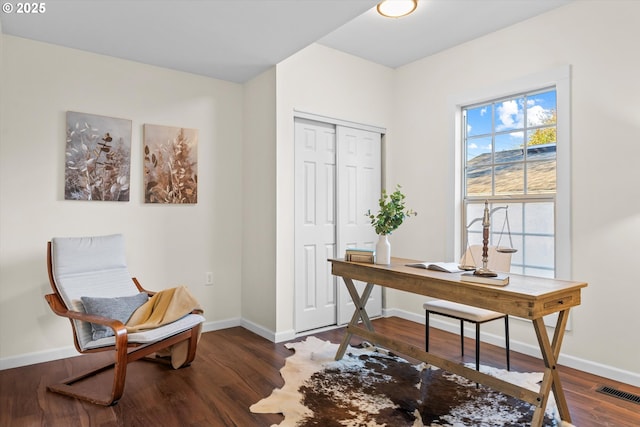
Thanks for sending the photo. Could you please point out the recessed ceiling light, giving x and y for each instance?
(396, 8)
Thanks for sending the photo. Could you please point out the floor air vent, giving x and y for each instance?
(629, 397)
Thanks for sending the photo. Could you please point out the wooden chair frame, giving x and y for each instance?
(125, 352)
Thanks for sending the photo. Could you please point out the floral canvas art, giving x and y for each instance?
(97, 158)
(170, 164)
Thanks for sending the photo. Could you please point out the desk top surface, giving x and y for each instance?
(524, 296)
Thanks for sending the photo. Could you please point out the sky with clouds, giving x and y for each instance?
(509, 132)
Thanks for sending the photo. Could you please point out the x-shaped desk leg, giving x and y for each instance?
(551, 378)
(360, 313)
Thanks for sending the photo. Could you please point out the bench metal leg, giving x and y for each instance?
(426, 331)
(477, 346)
(462, 336)
(506, 338)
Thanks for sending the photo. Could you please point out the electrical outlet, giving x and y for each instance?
(208, 278)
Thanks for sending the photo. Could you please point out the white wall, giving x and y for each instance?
(599, 40)
(259, 215)
(166, 245)
(326, 82)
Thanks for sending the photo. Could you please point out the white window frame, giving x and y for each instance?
(560, 78)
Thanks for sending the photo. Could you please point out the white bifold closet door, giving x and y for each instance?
(338, 177)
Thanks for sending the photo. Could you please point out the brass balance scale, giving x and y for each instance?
(486, 222)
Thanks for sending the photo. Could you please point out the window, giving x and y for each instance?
(509, 155)
(532, 204)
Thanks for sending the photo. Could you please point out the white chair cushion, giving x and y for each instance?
(90, 267)
(461, 311)
(185, 323)
(73, 255)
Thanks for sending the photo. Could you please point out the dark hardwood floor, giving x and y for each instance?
(235, 368)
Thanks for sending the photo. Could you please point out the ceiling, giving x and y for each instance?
(236, 40)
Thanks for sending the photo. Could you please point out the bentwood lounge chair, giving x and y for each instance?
(92, 272)
(498, 261)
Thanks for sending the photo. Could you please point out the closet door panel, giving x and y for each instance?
(359, 182)
(315, 224)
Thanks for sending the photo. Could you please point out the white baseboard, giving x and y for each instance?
(262, 331)
(282, 336)
(37, 357)
(70, 351)
(591, 367)
(221, 324)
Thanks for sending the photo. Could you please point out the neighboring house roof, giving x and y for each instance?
(541, 171)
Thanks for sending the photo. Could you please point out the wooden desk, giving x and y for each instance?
(525, 296)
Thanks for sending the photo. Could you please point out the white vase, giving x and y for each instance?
(383, 250)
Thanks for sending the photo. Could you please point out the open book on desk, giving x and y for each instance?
(447, 267)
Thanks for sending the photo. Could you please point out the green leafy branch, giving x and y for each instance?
(392, 212)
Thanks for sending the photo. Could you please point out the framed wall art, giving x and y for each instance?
(97, 158)
(170, 164)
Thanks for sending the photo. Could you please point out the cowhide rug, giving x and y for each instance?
(372, 388)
